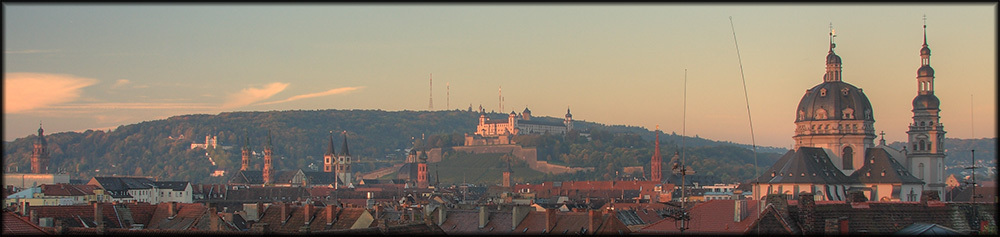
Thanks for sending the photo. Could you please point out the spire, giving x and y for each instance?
(656, 170)
(925, 30)
(268, 140)
(833, 61)
(41, 134)
(246, 142)
(925, 74)
(329, 150)
(343, 148)
(833, 33)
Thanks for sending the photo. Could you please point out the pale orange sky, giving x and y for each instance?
(78, 67)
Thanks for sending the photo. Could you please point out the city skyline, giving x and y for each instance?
(98, 66)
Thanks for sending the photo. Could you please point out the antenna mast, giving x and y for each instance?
(430, 106)
(684, 213)
(746, 97)
(447, 94)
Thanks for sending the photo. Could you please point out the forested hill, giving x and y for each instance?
(162, 148)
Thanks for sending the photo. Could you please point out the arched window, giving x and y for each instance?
(848, 158)
(922, 123)
(922, 145)
(920, 171)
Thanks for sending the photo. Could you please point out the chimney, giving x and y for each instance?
(856, 196)
(929, 195)
(442, 215)
(172, 209)
(832, 226)
(483, 216)
(33, 216)
(518, 215)
(740, 210)
(25, 206)
(844, 228)
(213, 219)
(307, 211)
(594, 221)
(284, 212)
(330, 213)
(779, 203)
(807, 213)
(98, 217)
(550, 219)
(260, 210)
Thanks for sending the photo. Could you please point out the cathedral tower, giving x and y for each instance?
(422, 174)
(506, 176)
(656, 169)
(245, 163)
(343, 165)
(268, 169)
(329, 156)
(40, 154)
(925, 156)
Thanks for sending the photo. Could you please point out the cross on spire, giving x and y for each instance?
(833, 33)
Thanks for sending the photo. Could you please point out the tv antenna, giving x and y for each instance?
(746, 97)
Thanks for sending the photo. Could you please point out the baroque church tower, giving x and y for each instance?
(245, 165)
(268, 169)
(40, 154)
(329, 156)
(925, 156)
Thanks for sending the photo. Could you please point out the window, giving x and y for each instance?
(920, 171)
(922, 145)
(848, 156)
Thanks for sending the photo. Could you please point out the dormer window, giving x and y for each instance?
(822, 92)
(844, 91)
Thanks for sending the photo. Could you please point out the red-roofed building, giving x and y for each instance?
(16, 225)
(294, 218)
(711, 217)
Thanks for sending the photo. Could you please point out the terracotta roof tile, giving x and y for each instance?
(15, 225)
(715, 216)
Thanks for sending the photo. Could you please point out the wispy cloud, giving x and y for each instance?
(252, 95)
(116, 106)
(120, 83)
(318, 94)
(30, 51)
(24, 92)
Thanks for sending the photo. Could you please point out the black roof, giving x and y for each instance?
(248, 177)
(838, 97)
(319, 177)
(173, 185)
(540, 122)
(880, 167)
(805, 165)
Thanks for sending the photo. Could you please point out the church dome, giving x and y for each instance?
(925, 50)
(926, 101)
(834, 100)
(925, 71)
(832, 58)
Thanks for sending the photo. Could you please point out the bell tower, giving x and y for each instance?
(925, 144)
(40, 154)
(329, 156)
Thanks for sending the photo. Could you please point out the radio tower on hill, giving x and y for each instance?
(430, 106)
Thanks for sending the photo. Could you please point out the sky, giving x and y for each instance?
(98, 66)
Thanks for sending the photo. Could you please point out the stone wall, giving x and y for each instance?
(529, 155)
